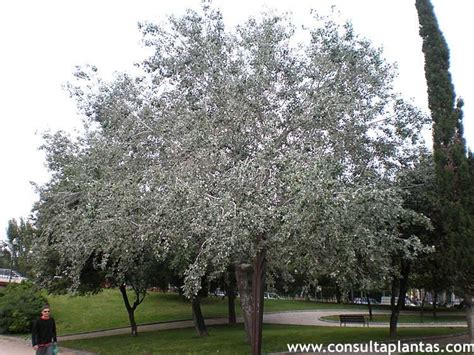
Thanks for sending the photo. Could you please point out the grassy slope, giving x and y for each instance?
(106, 310)
(74, 314)
(230, 339)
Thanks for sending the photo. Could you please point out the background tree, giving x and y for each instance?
(95, 237)
(416, 182)
(432, 270)
(228, 284)
(5, 256)
(453, 175)
(20, 237)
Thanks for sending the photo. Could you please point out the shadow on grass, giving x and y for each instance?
(230, 339)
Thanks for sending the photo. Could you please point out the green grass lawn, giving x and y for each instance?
(412, 318)
(76, 314)
(231, 339)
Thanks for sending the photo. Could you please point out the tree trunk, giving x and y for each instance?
(435, 304)
(402, 290)
(231, 306)
(133, 323)
(231, 294)
(338, 294)
(395, 309)
(469, 301)
(130, 310)
(199, 323)
(371, 318)
(258, 286)
(242, 275)
(251, 284)
(423, 300)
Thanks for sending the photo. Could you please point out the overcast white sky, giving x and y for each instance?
(42, 41)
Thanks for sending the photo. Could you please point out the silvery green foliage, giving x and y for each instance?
(96, 207)
(230, 135)
(293, 142)
(355, 230)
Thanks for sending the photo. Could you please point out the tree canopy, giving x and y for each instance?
(231, 142)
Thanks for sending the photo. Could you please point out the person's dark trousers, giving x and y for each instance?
(45, 350)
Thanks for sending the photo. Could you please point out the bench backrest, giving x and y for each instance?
(352, 317)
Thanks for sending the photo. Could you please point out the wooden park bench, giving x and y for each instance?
(353, 318)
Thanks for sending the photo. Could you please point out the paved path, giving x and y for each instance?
(14, 346)
(18, 346)
(313, 318)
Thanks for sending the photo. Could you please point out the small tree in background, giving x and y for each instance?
(20, 236)
(95, 238)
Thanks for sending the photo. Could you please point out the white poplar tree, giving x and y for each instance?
(246, 146)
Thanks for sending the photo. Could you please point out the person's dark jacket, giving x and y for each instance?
(43, 331)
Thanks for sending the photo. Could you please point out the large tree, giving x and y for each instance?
(278, 152)
(453, 174)
(242, 149)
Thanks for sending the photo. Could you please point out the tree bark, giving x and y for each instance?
(251, 285)
(242, 275)
(130, 310)
(338, 295)
(371, 318)
(435, 304)
(469, 301)
(402, 284)
(231, 306)
(395, 309)
(258, 287)
(231, 294)
(423, 300)
(199, 322)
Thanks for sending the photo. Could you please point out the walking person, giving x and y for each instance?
(43, 334)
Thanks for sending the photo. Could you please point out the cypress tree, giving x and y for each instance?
(454, 167)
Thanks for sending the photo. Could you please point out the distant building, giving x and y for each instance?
(8, 275)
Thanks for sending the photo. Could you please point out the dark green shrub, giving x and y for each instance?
(20, 304)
